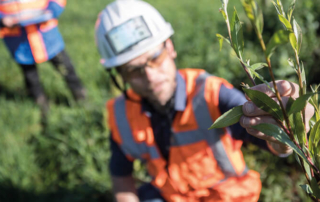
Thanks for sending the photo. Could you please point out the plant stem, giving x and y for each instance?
(263, 46)
(246, 70)
(288, 133)
(304, 170)
(314, 167)
(301, 92)
(242, 64)
(314, 198)
(279, 99)
(289, 130)
(304, 153)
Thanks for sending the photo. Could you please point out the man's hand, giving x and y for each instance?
(254, 115)
(124, 189)
(9, 21)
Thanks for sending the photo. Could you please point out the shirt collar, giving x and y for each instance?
(180, 100)
(180, 97)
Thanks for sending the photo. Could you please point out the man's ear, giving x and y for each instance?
(170, 49)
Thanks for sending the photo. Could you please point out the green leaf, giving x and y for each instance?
(290, 10)
(303, 78)
(254, 14)
(307, 189)
(251, 72)
(312, 122)
(221, 39)
(293, 64)
(248, 62)
(299, 104)
(305, 165)
(285, 22)
(259, 20)
(316, 156)
(307, 169)
(293, 41)
(279, 7)
(229, 118)
(278, 38)
(298, 34)
(315, 100)
(296, 123)
(280, 135)
(256, 74)
(279, 3)
(265, 103)
(248, 8)
(289, 104)
(315, 188)
(298, 128)
(296, 156)
(314, 137)
(237, 34)
(315, 88)
(223, 14)
(258, 66)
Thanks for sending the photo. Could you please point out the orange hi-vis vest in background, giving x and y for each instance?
(37, 38)
(204, 165)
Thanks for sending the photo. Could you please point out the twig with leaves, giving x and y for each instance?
(292, 119)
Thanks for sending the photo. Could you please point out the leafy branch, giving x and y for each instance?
(292, 118)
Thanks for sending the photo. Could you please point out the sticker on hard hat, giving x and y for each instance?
(128, 34)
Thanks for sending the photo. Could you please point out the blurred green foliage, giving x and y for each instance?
(67, 160)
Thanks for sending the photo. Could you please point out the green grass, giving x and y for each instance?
(67, 160)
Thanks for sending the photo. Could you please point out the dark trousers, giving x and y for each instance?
(148, 193)
(62, 63)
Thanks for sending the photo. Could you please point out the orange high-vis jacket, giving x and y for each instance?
(36, 39)
(204, 165)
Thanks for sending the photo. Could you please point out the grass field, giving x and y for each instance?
(67, 161)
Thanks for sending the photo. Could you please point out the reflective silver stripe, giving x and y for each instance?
(204, 120)
(213, 136)
(154, 153)
(129, 146)
(189, 137)
(185, 138)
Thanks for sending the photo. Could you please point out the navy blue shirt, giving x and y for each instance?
(161, 124)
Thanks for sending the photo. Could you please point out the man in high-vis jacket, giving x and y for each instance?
(29, 30)
(163, 119)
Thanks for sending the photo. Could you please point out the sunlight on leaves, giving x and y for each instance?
(229, 118)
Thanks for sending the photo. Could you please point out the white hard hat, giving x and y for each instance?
(126, 29)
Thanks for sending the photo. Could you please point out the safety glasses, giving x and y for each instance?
(154, 61)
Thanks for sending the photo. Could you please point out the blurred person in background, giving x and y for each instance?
(29, 30)
(163, 119)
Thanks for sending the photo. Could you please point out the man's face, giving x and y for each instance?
(152, 75)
